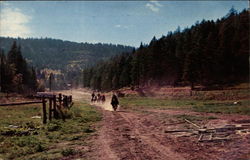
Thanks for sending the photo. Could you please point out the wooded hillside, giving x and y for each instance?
(64, 59)
(15, 74)
(207, 53)
(59, 54)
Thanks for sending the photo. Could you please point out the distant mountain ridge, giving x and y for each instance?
(63, 55)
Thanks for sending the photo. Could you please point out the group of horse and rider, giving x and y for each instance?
(101, 98)
(98, 98)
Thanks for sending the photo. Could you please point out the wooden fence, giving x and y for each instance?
(56, 105)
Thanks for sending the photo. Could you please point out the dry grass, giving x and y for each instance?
(24, 137)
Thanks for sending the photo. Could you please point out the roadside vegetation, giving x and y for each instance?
(212, 106)
(235, 101)
(23, 136)
(212, 54)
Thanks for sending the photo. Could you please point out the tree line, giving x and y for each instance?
(15, 74)
(208, 53)
(64, 55)
(69, 58)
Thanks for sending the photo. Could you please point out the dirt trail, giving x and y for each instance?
(129, 135)
(123, 136)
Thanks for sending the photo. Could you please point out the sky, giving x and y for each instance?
(117, 22)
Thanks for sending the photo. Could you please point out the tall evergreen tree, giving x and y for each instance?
(207, 53)
(15, 74)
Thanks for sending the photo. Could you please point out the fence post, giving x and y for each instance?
(60, 99)
(66, 101)
(44, 111)
(70, 99)
(55, 113)
(60, 107)
(50, 109)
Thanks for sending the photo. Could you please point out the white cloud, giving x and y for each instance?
(118, 26)
(154, 5)
(123, 26)
(2, 3)
(14, 23)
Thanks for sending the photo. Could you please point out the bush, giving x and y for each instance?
(39, 148)
(54, 126)
(68, 152)
(67, 114)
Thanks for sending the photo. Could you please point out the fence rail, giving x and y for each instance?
(56, 104)
(20, 103)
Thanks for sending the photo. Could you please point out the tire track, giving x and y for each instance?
(153, 139)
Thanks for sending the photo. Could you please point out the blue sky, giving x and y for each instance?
(117, 22)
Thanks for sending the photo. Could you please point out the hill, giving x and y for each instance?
(208, 53)
(62, 55)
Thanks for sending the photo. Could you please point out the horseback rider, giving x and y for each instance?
(98, 97)
(114, 102)
(103, 98)
(92, 96)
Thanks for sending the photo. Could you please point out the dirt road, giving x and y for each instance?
(130, 135)
(123, 136)
(127, 135)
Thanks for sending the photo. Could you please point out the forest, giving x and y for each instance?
(59, 54)
(208, 53)
(58, 61)
(15, 74)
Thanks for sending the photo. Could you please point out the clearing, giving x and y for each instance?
(173, 126)
(165, 128)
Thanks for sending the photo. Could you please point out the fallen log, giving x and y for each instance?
(173, 131)
(215, 140)
(192, 123)
(210, 130)
(225, 129)
(200, 138)
(174, 123)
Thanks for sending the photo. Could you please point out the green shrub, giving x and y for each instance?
(39, 148)
(54, 126)
(67, 114)
(68, 152)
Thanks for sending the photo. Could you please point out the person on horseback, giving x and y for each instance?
(114, 102)
(98, 97)
(103, 98)
(92, 96)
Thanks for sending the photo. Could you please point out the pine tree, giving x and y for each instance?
(135, 72)
(7, 73)
(12, 54)
(33, 80)
(208, 53)
(3, 75)
(190, 71)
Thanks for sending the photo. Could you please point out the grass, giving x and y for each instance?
(156, 103)
(234, 94)
(194, 118)
(227, 107)
(68, 152)
(216, 101)
(24, 137)
(210, 106)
